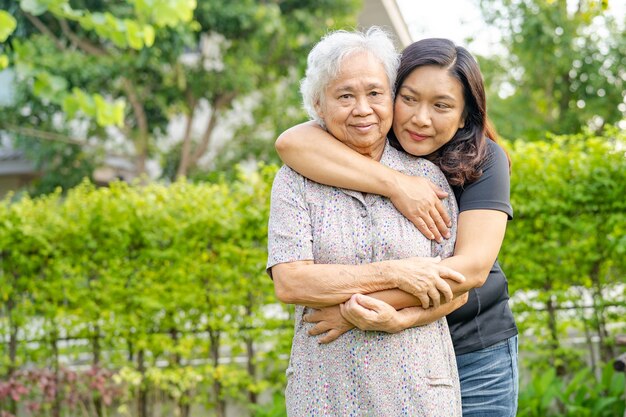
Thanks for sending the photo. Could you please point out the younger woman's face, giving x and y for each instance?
(428, 110)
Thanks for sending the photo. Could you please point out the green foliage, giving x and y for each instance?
(563, 252)
(583, 395)
(7, 26)
(537, 398)
(126, 69)
(563, 68)
(275, 409)
(174, 272)
(124, 33)
(567, 193)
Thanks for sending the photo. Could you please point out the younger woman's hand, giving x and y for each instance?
(419, 200)
(329, 322)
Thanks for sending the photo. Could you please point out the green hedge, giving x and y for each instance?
(564, 252)
(166, 285)
(565, 257)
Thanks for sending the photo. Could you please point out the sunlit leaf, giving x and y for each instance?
(34, 7)
(7, 25)
(148, 35)
(133, 34)
(49, 86)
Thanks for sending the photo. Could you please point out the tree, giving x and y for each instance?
(564, 69)
(111, 76)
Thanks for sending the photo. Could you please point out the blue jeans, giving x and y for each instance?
(489, 380)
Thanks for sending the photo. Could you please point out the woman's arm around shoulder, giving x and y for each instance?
(314, 153)
(317, 155)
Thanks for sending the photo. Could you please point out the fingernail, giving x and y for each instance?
(447, 235)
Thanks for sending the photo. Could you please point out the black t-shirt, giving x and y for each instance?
(486, 318)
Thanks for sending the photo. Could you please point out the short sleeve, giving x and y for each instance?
(289, 229)
(492, 190)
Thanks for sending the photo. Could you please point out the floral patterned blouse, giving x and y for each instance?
(362, 373)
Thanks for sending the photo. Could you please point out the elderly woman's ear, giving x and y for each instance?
(319, 109)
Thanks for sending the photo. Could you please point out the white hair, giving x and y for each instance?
(325, 59)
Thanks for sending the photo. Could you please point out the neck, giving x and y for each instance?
(372, 152)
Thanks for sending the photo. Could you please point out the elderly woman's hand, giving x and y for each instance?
(419, 200)
(368, 313)
(328, 321)
(425, 279)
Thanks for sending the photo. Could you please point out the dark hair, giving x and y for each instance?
(462, 158)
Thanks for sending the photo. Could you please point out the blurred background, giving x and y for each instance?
(136, 158)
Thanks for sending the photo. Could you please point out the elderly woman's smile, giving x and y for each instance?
(357, 107)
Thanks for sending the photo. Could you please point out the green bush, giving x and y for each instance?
(583, 395)
(165, 285)
(564, 250)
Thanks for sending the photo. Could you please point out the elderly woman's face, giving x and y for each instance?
(357, 107)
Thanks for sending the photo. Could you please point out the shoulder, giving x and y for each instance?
(496, 156)
(287, 174)
(492, 189)
(286, 178)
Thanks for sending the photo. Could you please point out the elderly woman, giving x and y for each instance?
(329, 246)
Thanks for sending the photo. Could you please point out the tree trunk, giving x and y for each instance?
(95, 343)
(131, 349)
(220, 404)
(252, 396)
(219, 103)
(551, 307)
(607, 353)
(142, 155)
(566, 95)
(185, 153)
(588, 338)
(142, 398)
(10, 306)
(56, 407)
(175, 358)
(143, 132)
(183, 407)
